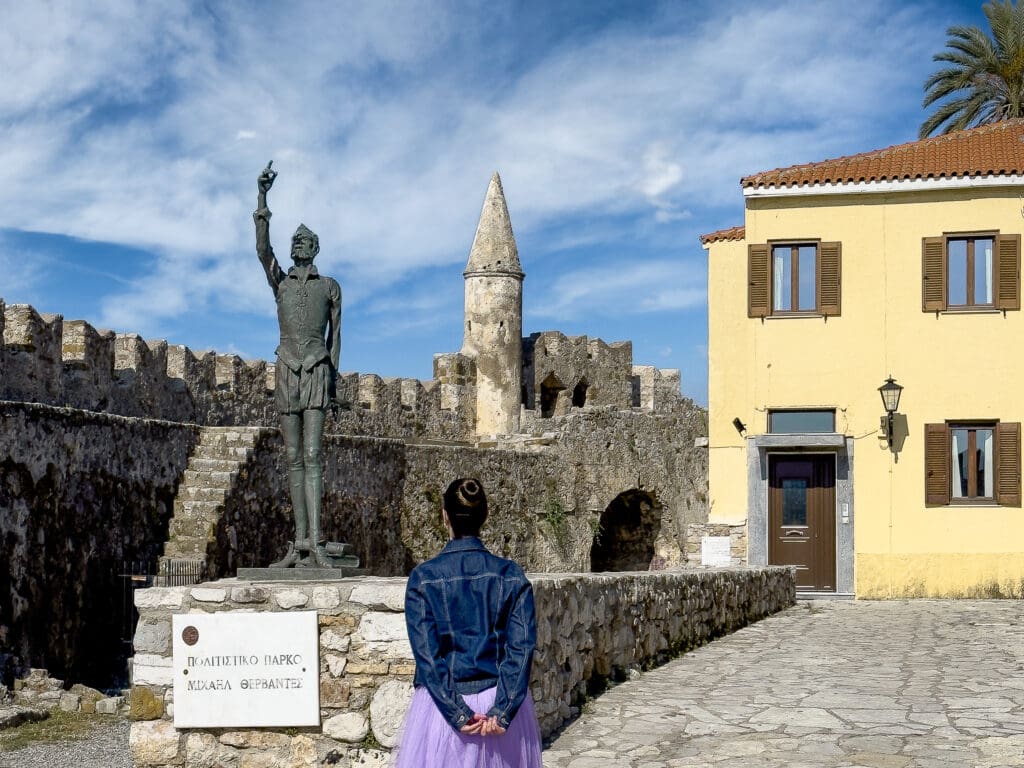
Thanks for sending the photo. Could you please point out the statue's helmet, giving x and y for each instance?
(303, 235)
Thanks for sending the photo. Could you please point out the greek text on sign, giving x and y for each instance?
(246, 670)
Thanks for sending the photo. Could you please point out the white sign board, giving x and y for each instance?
(246, 669)
(714, 551)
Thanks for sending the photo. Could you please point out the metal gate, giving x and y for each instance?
(152, 573)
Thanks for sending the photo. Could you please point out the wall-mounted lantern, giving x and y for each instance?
(740, 426)
(890, 392)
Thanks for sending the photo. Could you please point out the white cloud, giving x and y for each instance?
(652, 286)
(661, 171)
(148, 125)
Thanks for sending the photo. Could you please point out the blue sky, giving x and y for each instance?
(131, 136)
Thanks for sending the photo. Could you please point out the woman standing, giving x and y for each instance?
(472, 629)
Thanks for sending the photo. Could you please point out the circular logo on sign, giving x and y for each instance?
(190, 635)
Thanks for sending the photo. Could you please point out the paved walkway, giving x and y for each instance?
(918, 684)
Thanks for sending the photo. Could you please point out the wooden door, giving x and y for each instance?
(802, 518)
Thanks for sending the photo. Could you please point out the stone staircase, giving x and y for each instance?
(212, 468)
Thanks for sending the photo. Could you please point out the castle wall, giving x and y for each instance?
(3, 350)
(615, 451)
(363, 485)
(80, 494)
(46, 359)
(83, 492)
(546, 496)
(383, 497)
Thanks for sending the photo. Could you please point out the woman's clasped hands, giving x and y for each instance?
(481, 725)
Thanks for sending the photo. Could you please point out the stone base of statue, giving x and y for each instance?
(336, 561)
(299, 574)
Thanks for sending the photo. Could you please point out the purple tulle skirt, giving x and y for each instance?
(428, 741)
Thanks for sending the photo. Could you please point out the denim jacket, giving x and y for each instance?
(471, 625)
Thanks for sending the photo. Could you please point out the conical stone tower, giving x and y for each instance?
(494, 317)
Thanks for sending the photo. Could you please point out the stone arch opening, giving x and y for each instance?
(629, 527)
(579, 393)
(549, 389)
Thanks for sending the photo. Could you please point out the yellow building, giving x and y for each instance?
(902, 263)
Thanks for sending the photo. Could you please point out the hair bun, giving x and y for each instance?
(470, 495)
(466, 504)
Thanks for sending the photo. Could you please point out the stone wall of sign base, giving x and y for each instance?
(591, 628)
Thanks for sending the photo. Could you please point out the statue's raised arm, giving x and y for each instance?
(262, 218)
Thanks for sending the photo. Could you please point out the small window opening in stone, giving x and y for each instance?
(469, 325)
(636, 391)
(501, 323)
(579, 394)
(549, 389)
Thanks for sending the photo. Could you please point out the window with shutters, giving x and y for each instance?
(973, 462)
(972, 271)
(794, 278)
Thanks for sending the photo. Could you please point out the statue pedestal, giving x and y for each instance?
(298, 574)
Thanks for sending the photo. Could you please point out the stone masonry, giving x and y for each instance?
(591, 628)
(80, 494)
(221, 454)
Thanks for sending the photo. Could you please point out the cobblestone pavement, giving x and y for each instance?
(908, 684)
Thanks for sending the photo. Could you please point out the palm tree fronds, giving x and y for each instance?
(983, 81)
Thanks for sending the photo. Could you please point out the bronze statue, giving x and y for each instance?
(309, 315)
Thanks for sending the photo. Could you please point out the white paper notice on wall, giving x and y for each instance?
(714, 551)
(236, 670)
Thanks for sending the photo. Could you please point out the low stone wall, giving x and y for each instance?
(590, 628)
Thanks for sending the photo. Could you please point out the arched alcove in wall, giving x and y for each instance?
(629, 528)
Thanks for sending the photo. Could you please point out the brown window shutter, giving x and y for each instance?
(1008, 272)
(936, 465)
(933, 274)
(758, 276)
(1008, 464)
(830, 262)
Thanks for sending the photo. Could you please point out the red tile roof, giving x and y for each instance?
(732, 233)
(996, 149)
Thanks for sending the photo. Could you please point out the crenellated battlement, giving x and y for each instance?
(561, 372)
(655, 389)
(45, 359)
(564, 372)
